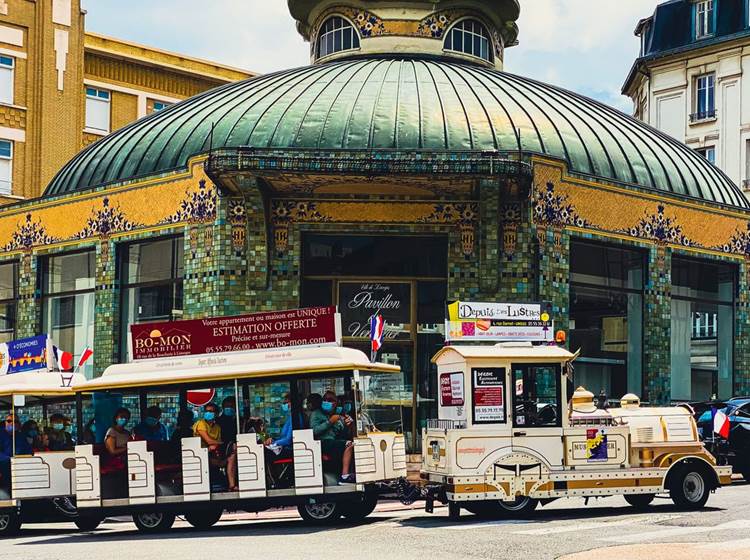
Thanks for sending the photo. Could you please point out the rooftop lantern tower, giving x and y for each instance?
(469, 30)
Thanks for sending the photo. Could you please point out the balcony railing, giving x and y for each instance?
(703, 116)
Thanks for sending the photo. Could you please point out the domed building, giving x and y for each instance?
(400, 170)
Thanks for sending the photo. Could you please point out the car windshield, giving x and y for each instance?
(380, 402)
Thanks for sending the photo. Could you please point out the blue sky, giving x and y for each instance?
(584, 45)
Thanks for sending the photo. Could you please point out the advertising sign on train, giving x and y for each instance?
(499, 322)
(23, 355)
(315, 326)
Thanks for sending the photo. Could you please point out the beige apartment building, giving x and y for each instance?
(62, 88)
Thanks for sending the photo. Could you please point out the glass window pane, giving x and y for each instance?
(337, 41)
(151, 262)
(6, 84)
(693, 278)
(70, 322)
(375, 256)
(6, 149)
(8, 274)
(69, 273)
(7, 321)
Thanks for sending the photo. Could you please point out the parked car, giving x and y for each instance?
(735, 450)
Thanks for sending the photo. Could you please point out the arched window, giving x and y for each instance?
(336, 35)
(470, 37)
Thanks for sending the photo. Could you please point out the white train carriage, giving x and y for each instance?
(37, 479)
(507, 437)
(158, 480)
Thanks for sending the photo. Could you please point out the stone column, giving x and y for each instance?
(657, 327)
(107, 339)
(488, 234)
(28, 312)
(518, 255)
(554, 272)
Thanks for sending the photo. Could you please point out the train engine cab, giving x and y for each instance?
(509, 434)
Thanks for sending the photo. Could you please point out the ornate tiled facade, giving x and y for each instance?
(242, 250)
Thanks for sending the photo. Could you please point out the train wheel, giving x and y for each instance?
(639, 501)
(203, 520)
(88, 523)
(322, 513)
(359, 510)
(522, 507)
(153, 521)
(690, 490)
(10, 523)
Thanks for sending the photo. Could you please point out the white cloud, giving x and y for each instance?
(584, 45)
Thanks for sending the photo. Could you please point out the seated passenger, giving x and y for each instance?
(284, 441)
(257, 426)
(151, 428)
(89, 432)
(117, 437)
(208, 429)
(184, 429)
(11, 432)
(59, 438)
(30, 431)
(228, 420)
(326, 426)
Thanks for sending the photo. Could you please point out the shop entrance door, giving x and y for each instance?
(404, 279)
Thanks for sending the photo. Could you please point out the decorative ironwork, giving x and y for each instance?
(237, 215)
(197, 207)
(369, 163)
(28, 234)
(554, 209)
(660, 228)
(105, 221)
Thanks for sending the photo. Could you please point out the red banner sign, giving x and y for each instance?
(279, 329)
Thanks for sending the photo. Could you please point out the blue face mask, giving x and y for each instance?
(9, 428)
(285, 407)
(58, 427)
(228, 411)
(348, 407)
(92, 428)
(339, 410)
(122, 421)
(151, 421)
(209, 416)
(327, 406)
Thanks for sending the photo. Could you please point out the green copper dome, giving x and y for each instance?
(402, 103)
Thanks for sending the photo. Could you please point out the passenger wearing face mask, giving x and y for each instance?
(57, 434)
(284, 441)
(228, 420)
(209, 430)
(30, 431)
(11, 431)
(327, 426)
(151, 428)
(117, 438)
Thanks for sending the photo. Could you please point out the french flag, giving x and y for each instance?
(721, 424)
(377, 331)
(64, 359)
(87, 353)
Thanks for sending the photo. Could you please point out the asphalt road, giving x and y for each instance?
(605, 529)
